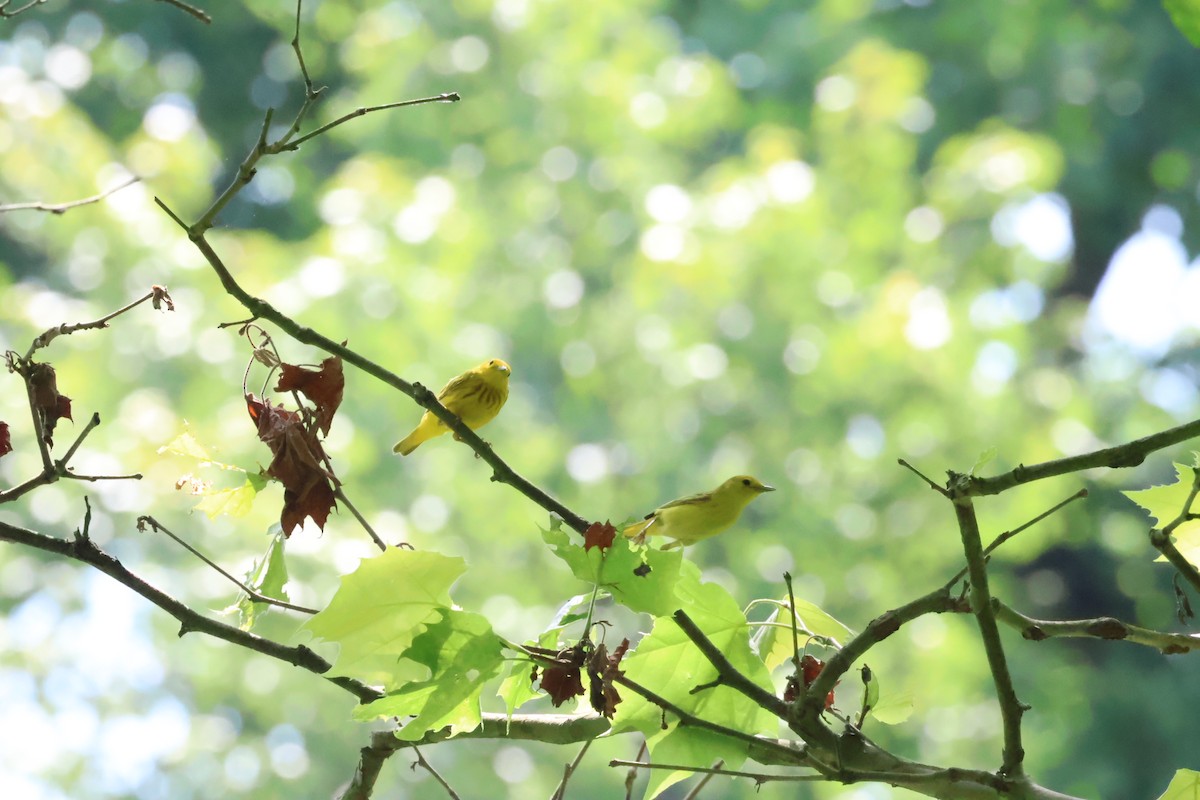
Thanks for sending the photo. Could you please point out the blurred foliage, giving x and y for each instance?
(794, 239)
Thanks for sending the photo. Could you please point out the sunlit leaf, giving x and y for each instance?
(1186, 16)
(381, 607)
(1184, 786)
(461, 654)
(774, 642)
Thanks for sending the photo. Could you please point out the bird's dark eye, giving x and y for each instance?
(745, 481)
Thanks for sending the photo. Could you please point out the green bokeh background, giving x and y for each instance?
(711, 238)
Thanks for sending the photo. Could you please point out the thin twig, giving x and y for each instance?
(60, 208)
(341, 495)
(757, 777)
(195, 12)
(437, 775)
(631, 775)
(257, 597)
(569, 770)
(939, 489)
(709, 774)
(1004, 537)
(445, 97)
(91, 425)
(84, 550)
(798, 753)
(5, 13)
(43, 339)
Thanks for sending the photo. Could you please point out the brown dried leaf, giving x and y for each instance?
(323, 386)
(602, 669)
(50, 405)
(297, 464)
(563, 680)
(5, 439)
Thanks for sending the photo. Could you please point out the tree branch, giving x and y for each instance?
(58, 208)
(370, 762)
(1037, 630)
(83, 549)
(1011, 709)
(1121, 456)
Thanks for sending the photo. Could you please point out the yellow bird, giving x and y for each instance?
(475, 397)
(699, 516)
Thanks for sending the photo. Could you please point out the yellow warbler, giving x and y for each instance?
(699, 516)
(475, 397)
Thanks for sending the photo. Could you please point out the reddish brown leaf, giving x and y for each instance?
(50, 405)
(561, 683)
(562, 680)
(297, 464)
(323, 386)
(811, 667)
(602, 670)
(5, 439)
(599, 534)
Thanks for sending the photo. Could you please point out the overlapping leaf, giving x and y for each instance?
(381, 608)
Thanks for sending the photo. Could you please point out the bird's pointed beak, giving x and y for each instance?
(766, 488)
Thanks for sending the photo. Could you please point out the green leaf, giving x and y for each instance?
(186, 445)
(893, 707)
(1184, 786)
(234, 502)
(1165, 503)
(689, 746)
(1186, 16)
(984, 458)
(668, 661)
(462, 653)
(381, 608)
(774, 641)
(870, 689)
(614, 569)
(268, 577)
(517, 687)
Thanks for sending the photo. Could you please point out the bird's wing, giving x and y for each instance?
(691, 500)
(457, 385)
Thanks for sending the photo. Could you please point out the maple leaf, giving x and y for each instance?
(51, 405)
(5, 439)
(599, 534)
(323, 386)
(562, 680)
(602, 669)
(297, 464)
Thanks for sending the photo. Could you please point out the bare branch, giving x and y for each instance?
(195, 12)
(5, 13)
(758, 777)
(436, 775)
(84, 550)
(1121, 456)
(1109, 628)
(1011, 709)
(370, 762)
(257, 597)
(569, 770)
(445, 97)
(58, 208)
